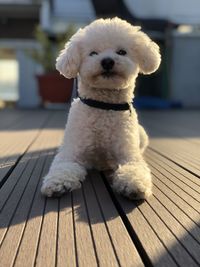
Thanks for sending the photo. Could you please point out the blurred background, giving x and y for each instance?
(33, 31)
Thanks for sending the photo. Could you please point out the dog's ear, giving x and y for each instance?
(68, 61)
(147, 53)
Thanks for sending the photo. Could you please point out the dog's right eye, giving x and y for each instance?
(121, 52)
(93, 53)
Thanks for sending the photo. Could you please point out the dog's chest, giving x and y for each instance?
(108, 132)
(101, 135)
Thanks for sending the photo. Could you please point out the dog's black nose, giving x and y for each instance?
(107, 63)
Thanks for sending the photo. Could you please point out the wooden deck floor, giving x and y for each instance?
(93, 226)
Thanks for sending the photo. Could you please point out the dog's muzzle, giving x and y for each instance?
(107, 63)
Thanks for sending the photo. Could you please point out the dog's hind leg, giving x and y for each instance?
(63, 176)
(144, 140)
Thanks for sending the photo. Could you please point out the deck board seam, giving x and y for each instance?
(29, 159)
(51, 153)
(176, 219)
(173, 175)
(178, 164)
(7, 175)
(90, 227)
(74, 230)
(176, 193)
(31, 205)
(106, 226)
(26, 184)
(18, 180)
(183, 157)
(198, 225)
(171, 233)
(163, 243)
(172, 168)
(39, 234)
(190, 194)
(57, 233)
(133, 235)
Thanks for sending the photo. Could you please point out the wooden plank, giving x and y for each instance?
(24, 201)
(182, 234)
(23, 124)
(11, 160)
(193, 219)
(189, 225)
(36, 226)
(182, 124)
(17, 141)
(9, 118)
(184, 195)
(102, 242)
(9, 136)
(28, 246)
(25, 165)
(39, 227)
(170, 136)
(20, 140)
(66, 252)
(171, 167)
(163, 247)
(105, 235)
(175, 198)
(48, 237)
(86, 254)
(20, 200)
(172, 127)
(181, 182)
(16, 226)
(172, 143)
(165, 148)
(11, 204)
(118, 234)
(151, 245)
(171, 233)
(86, 228)
(178, 151)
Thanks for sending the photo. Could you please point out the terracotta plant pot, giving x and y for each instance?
(54, 88)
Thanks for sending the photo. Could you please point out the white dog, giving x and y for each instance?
(102, 131)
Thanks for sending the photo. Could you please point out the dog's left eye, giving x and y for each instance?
(121, 52)
(93, 53)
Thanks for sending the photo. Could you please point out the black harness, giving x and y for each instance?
(106, 106)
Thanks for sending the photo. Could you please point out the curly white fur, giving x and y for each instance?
(104, 139)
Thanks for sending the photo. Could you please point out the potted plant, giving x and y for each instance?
(53, 87)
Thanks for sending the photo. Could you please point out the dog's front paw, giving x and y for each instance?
(62, 178)
(133, 192)
(133, 181)
(57, 187)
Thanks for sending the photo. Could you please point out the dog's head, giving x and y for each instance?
(108, 54)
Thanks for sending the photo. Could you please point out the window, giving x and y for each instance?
(9, 75)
